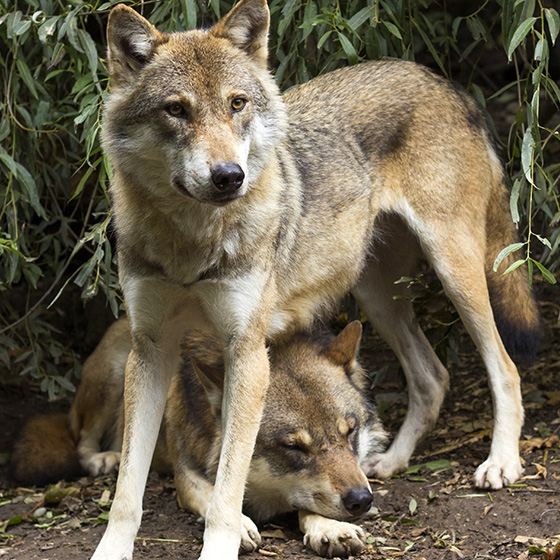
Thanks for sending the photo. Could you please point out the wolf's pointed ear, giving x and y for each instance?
(212, 379)
(131, 41)
(343, 350)
(246, 26)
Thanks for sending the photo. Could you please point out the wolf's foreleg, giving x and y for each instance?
(240, 310)
(144, 397)
(159, 313)
(247, 373)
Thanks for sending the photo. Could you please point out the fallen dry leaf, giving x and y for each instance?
(553, 398)
(521, 539)
(541, 472)
(486, 510)
(537, 443)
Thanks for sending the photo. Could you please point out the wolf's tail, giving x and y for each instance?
(45, 452)
(516, 311)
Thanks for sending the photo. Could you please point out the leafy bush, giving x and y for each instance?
(54, 207)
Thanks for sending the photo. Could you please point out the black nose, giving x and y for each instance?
(357, 501)
(228, 177)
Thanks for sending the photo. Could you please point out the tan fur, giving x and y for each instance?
(308, 452)
(248, 214)
(44, 452)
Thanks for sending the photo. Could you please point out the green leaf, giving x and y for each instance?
(55, 493)
(103, 517)
(21, 27)
(9, 162)
(455, 27)
(547, 275)
(412, 506)
(360, 17)
(16, 520)
(83, 180)
(87, 268)
(438, 465)
(515, 265)
(322, 40)
(67, 384)
(348, 48)
(431, 48)
(26, 76)
(520, 34)
(215, 4)
(189, 13)
(543, 240)
(513, 202)
(393, 29)
(26, 180)
(469, 49)
(541, 50)
(527, 151)
(47, 28)
(90, 50)
(32, 273)
(553, 21)
(505, 252)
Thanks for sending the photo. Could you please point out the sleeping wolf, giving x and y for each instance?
(248, 214)
(317, 428)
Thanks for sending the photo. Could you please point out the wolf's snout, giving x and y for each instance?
(228, 177)
(357, 501)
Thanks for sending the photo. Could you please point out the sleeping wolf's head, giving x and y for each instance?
(318, 426)
(194, 112)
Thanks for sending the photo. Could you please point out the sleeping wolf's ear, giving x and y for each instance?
(246, 27)
(131, 41)
(343, 349)
(212, 379)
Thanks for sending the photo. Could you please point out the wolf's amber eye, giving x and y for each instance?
(176, 110)
(238, 104)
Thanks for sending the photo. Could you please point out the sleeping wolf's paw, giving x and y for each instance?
(250, 536)
(497, 474)
(383, 465)
(102, 463)
(330, 538)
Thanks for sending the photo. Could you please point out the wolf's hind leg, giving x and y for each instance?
(396, 255)
(462, 274)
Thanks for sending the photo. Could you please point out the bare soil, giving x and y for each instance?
(431, 512)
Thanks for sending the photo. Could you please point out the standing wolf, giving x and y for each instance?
(248, 214)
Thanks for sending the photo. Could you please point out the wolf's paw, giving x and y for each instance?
(383, 465)
(497, 474)
(111, 550)
(219, 545)
(330, 538)
(102, 463)
(250, 536)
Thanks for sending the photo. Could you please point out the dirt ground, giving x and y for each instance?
(430, 512)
